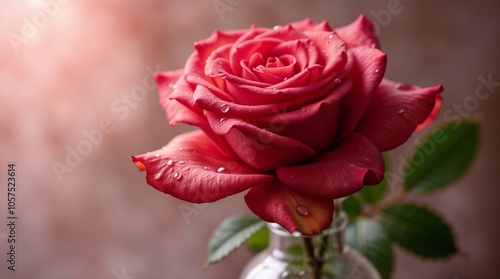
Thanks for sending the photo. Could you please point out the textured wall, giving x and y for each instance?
(74, 68)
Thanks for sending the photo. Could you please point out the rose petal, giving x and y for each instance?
(395, 111)
(216, 40)
(366, 73)
(309, 25)
(190, 168)
(318, 118)
(359, 33)
(343, 171)
(257, 146)
(273, 202)
(434, 114)
(245, 50)
(177, 101)
(333, 56)
(206, 100)
(169, 83)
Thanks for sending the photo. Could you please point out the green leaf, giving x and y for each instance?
(418, 230)
(230, 235)
(369, 238)
(373, 194)
(442, 157)
(259, 240)
(352, 207)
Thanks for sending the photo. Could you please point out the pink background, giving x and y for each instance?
(76, 66)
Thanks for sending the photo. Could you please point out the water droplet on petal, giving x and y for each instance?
(337, 80)
(330, 36)
(373, 45)
(222, 120)
(157, 155)
(401, 111)
(206, 168)
(170, 163)
(177, 176)
(224, 108)
(276, 27)
(377, 70)
(303, 109)
(302, 210)
(175, 86)
(285, 79)
(181, 162)
(221, 169)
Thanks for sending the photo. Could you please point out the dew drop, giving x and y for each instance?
(401, 111)
(285, 79)
(302, 210)
(181, 162)
(224, 108)
(303, 109)
(157, 155)
(175, 86)
(377, 70)
(330, 36)
(276, 27)
(221, 169)
(222, 120)
(177, 176)
(206, 168)
(337, 80)
(170, 163)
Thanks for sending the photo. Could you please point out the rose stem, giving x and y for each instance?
(386, 202)
(313, 262)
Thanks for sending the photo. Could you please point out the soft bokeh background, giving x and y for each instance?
(81, 62)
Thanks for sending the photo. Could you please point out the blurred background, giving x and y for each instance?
(71, 68)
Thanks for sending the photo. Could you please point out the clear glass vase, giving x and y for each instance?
(285, 257)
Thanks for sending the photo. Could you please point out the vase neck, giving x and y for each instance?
(288, 247)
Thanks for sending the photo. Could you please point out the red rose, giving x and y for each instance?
(298, 114)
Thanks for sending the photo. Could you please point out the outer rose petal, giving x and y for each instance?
(168, 83)
(274, 202)
(395, 112)
(359, 33)
(190, 168)
(434, 114)
(218, 38)
(258, 147)
(366, 74)
(309, 25)
(186, 112)
(338, 173)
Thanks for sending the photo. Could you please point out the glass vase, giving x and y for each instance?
(285, 257)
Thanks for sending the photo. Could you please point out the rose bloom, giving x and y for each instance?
(296, 114)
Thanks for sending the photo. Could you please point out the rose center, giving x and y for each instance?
(278, 66)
